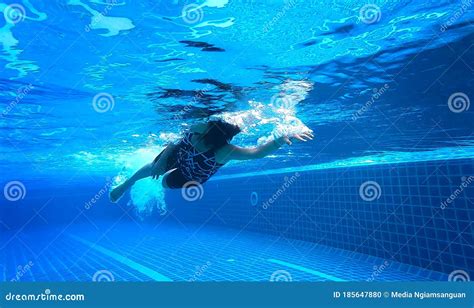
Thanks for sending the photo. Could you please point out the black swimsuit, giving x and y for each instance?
(192, 166)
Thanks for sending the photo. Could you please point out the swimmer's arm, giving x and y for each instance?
(232, 152)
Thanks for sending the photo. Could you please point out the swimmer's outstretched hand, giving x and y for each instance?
(304, 136)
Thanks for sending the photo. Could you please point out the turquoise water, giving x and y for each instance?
(375, 89)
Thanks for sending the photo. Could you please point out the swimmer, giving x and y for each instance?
(199, 154)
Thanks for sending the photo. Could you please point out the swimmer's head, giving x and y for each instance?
(220, 133)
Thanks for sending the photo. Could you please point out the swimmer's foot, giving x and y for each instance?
(116, 193)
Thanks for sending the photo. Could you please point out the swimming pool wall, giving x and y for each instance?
(419, 214)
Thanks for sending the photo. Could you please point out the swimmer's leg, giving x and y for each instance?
(118, 191)
(155, 169)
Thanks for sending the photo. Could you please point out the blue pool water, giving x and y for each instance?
(93, 89)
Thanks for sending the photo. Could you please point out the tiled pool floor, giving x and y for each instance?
(128, 251)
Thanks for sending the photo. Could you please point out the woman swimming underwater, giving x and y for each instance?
(199, 154)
